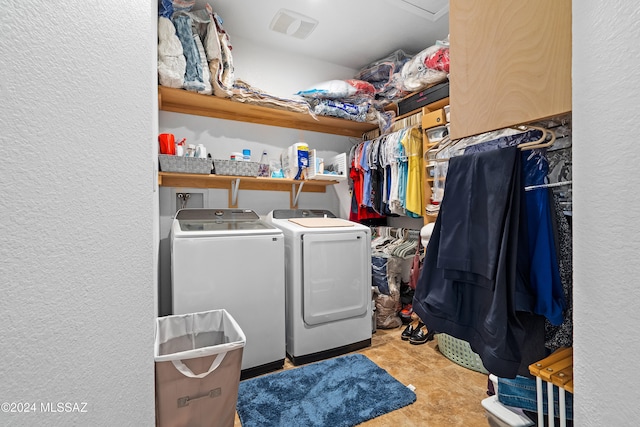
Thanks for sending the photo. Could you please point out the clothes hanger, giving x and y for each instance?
(525, 128)
(445, 143)
(540, 143)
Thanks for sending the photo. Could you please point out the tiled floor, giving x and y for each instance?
(447, 394)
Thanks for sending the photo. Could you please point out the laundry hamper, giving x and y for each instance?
(198, 358)
(460, 352)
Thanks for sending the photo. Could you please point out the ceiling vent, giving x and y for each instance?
(293, 24)
(429, 9)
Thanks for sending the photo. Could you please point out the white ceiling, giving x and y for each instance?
(351, 33)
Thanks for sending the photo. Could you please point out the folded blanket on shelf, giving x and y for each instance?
(244, 92)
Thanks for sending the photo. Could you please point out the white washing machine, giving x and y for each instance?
(229, 258)
(328, 283)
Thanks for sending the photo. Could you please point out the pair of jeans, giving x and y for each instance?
(520, 392)
(193, 77)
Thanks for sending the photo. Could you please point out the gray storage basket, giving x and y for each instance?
(236, 167)
(169, 163)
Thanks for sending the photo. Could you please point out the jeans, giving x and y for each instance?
(520, 392)
(193, 80)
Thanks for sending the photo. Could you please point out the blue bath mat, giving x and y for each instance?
(344, 391)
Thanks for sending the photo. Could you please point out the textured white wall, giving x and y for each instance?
(606, 161)
(280, 73)
(77, 118)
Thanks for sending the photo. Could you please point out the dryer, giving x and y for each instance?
(229, 258)
(328, 283)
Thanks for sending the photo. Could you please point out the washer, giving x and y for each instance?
(229, 258)
(328, 283)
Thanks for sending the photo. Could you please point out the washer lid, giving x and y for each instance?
(222, 220)
(217, 214)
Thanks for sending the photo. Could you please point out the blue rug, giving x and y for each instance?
(344, 391)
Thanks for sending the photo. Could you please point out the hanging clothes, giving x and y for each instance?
(387, 175)
(562, 336)
(375, 172)
(483, 312)
(397, 177)
(366, 168)
(545, 283)
(412, 143)
(359, 211)
(545, 275)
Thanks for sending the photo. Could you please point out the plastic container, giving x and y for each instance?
(201, 151)
(246, 155)
(167, 143)
(333, 169)
(263, 168)
(295, 161)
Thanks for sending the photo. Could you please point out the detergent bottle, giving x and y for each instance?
(295, 161)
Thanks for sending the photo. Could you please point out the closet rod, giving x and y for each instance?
(553, 184)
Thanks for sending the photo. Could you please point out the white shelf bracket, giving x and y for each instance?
(295, 195)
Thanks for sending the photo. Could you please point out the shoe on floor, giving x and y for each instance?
(408, 331)
(421, 335)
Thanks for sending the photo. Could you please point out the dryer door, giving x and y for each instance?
(336, 276)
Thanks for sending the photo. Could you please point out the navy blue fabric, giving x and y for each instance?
(472, 231)
(544, 278)
(545, 273)
(165, 9)
(379, 274)
(484, 201)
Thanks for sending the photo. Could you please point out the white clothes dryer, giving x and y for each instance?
(229, 258)
(328, 284)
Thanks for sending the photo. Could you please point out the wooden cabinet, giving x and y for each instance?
(510, 63)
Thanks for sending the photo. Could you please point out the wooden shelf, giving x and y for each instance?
(194, 180)
(236, 183)
(182, 101)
